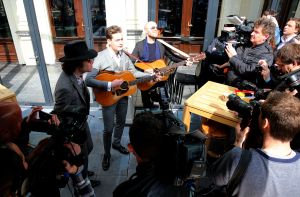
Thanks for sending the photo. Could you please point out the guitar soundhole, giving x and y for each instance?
(124, 85)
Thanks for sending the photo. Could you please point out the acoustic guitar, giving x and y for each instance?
(160, 67)
(127, 88)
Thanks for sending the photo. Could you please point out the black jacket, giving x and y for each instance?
(244, 64)
(144, 183)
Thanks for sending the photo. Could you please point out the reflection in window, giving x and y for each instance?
(63, 15)
(169, 17)
(4, 27)
(199, 18)
(98, 17)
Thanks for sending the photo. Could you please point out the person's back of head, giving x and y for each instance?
(145, 136)
(283, 113)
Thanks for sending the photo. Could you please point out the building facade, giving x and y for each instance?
(33, 32)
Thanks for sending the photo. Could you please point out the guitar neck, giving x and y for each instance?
(142, 79)
(167, 69)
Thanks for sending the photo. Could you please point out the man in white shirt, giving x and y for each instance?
(290, 31)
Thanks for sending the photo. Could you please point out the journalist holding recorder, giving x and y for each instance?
(274, 169)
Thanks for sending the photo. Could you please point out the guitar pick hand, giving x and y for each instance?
(116, 83)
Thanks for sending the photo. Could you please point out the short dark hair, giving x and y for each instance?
(289, 53)
(112, 30)
(145, 135)
(70, 66)
(283, 112)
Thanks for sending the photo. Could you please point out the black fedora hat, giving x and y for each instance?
(77, 50)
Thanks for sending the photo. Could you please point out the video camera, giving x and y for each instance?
(46, 169)
(242, 33)
(182, 155)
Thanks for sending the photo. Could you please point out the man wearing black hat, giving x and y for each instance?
(71, 93)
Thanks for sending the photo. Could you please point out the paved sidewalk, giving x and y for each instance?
(25, 82)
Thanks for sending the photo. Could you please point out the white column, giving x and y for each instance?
(19, 28)
(129, 15)
(45, 30)
(17, 20)
(136, 18)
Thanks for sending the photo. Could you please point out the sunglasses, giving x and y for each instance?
(153, 27)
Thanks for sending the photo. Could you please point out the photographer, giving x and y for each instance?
(14, 136)
(145, 143)
(243, 62)
(274, 164)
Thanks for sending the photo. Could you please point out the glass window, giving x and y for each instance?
(199, 18)
(169, 17)
(4, 27)
(98, 17)
(63, 15)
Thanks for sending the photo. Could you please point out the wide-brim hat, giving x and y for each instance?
(77, 50)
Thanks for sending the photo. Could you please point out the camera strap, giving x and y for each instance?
(239, 171)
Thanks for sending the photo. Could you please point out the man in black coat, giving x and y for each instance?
(243, 63)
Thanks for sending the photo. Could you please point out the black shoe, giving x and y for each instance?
(90, 173)
(105, 162)
(95, 183)
(121, 149)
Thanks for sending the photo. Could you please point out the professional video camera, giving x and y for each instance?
(46, 171)
(183, 155)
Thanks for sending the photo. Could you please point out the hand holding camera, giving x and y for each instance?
(230, 50)
(264, 70)
(38, 114)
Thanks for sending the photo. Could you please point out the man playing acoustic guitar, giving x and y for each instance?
(150, 50)
(113, 60)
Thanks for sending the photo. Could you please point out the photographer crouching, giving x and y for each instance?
(274, 164)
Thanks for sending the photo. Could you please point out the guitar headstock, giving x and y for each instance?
(198, 57)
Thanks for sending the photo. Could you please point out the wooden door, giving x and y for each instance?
(183, 23)
(7, 47)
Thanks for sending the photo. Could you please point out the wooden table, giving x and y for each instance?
(208, 102)
(7, 95)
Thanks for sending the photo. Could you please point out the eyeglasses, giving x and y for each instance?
(153, 27)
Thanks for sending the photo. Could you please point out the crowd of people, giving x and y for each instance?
(267, 62)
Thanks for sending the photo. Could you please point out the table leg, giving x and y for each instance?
(186, 117)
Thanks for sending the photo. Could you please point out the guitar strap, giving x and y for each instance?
(136, 58)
